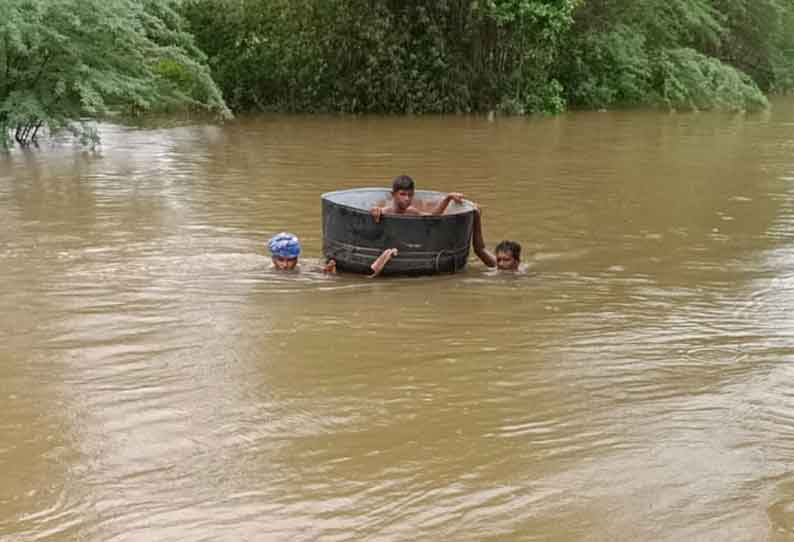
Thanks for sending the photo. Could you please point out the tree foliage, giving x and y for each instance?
(63, 61)
(384, 55)
(697, 54)
(517, 56)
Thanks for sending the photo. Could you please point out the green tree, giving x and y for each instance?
(384, 55)
(690, 54)
(759, 40)
(63, 62)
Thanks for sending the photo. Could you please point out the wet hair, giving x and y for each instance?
(510, 246)
(402, 182)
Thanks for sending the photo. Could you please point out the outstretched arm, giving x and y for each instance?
(382, 260)
(439, 209)
(479, 243)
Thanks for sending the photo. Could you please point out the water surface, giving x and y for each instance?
(159, 382)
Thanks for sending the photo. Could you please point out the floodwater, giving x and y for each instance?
(159, 382)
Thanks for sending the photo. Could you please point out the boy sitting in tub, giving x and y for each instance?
(402, 196)
(285, 249)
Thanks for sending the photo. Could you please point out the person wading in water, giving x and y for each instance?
(508, 253)
(285, 250)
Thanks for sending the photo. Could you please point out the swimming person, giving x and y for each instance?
(402, 196)
(285, 250)
(508, 253)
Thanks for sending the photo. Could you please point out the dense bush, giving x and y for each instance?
(517, 56)
(384, 55)
(692, 54)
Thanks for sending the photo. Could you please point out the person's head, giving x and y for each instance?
(402, 191)
(284, 249)
(508, 256)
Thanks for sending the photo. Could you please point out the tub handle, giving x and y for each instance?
(438, 261)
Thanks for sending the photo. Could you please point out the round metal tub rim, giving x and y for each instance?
(421, 195)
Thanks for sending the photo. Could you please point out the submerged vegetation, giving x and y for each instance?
(64, 61)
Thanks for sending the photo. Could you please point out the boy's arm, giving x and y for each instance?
(439, 209)
(324, 266)
(378, 265)
(479, 243)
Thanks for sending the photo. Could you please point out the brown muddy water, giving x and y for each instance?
(159, 382)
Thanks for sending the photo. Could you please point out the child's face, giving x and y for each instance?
(284, 264)
(402, 198)
(505, 261)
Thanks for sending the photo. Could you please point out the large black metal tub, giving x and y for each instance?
(426, 244)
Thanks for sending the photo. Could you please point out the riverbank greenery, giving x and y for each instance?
(385, 55)
(516, 56)
(682, 54)
(64, 61)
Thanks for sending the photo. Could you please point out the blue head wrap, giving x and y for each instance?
(285, 245)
